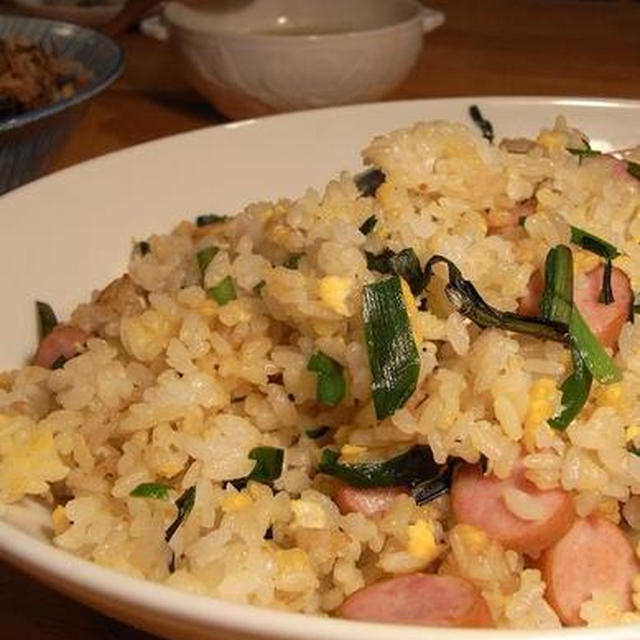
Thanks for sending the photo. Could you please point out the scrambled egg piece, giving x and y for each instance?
(610, 395)
(292, 560)
(422, 543)
(170, 469)
(473, 538)
(309, 515)
(29, 461)
(632, 432)
(352, 451)
(59, 520)
(385, 195)
(540, 409)
(553, 141)
(334, 291)
(412, 312)
(236, 502)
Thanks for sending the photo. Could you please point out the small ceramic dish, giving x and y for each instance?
(266, 56)
(28, 140)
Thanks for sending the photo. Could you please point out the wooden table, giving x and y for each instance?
(488, 47)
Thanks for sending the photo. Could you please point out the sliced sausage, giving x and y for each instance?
(63, 341)
(482, 501)
(420, 598)
(593, 554)
(366, 501)
(605, 320)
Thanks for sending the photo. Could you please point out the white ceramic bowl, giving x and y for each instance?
(266, 56)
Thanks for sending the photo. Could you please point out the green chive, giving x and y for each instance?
(583, 153)
(330, 385)
(393, 356)
(485, 126)
(592, 243)
(58, 363)
(205, 256)
(151, 490)
(318, 432)
(466, 299)
(268, 464)
(47, 320)
(606, 294)
(143, 247)
(557, 300)
(292, 261)
(224, 292)
(185, 504)
(595, 357)
(269, 461)
(368, 182)
(409, 469)
(405, 264)
(210, 218)
(575, 393)
(368, 225)
(557, 304)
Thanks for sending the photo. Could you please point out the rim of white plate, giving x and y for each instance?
(37, 557)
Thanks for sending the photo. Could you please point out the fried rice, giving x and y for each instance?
(196, 361)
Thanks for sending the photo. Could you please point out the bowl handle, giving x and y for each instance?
(431, 19)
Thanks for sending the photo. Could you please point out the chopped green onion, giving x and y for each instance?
(592, 243)
(205, 256)
(485, 126)
(47, 319)
(433, 488)
(318, 432)
(466, 299)
(292, 261)
(368, 182)
(557, 300)
(414, 466)
(185, 504)
(224, 292)
(210, 218)
(153, 490)
(596, 359)
(368, 225)
(330, 385)
(606, 295)
(583, 153)
(405, 264)
(391, 348)
(142, 247)
(268, 466)
(633, 169)
(557, 304)
(58, 363)
(575, 392)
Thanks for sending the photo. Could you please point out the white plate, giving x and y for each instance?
(64, 235)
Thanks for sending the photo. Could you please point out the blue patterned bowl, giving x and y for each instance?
(27, 141)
